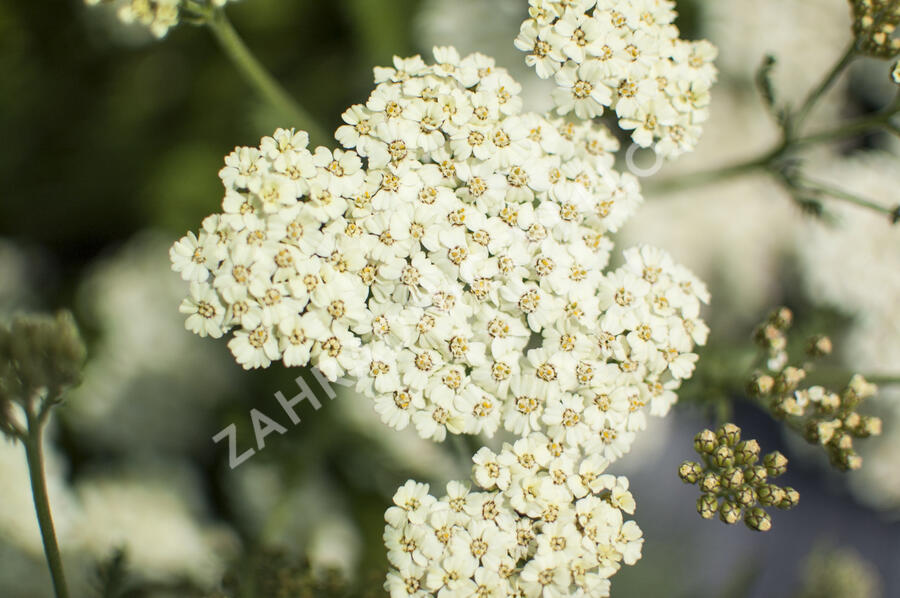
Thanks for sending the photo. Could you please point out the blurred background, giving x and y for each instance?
(112, 145)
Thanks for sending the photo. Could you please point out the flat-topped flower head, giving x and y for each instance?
(625, 55)
(451, 259)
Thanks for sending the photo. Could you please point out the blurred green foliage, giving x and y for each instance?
(105, 135)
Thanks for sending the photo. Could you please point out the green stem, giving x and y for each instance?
(259, 78)
(34, 453)
(767, 160)
(816, 94)
(706, 177)
(819, 188)
(790, 140)
(864, 124)
(883, 380)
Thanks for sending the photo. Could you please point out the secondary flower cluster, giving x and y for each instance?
(823, 417)
(156, 15)
(732, 481)
(546, 522)
(626, 55)
(451, 259)
(874, 24)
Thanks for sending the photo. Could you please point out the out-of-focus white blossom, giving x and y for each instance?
(544, 521)
(749, 220)
(267, 502)
(157, 524)
(452, 231)
(157, 16)
(142, 369)
(805, 36)
(625, 55)
(157, 520)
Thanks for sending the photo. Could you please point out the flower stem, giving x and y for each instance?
(816, 187)
(816, 94)
(768, 160)
(791, 140)
(258, 77)
(34, 453)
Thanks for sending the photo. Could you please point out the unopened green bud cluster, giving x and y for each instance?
(40, 356)
(822, 417)
(735, 480)
(874, 24)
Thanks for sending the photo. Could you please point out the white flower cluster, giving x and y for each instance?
(626, 55)
(546, 522)
(156, 15)
(458, 276)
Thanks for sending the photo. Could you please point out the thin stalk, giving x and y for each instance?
(34, 453)
(816, 187)
(259, 78)
(883, 380)
(854, 127)
(705, 177)
(816, 94)
(766, 160)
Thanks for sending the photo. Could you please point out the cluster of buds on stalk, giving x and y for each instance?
(874, 25)
(820, 415)
(733, 481)
(40, 357)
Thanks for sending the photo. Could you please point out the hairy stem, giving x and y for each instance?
(34, 453)
(259, 78)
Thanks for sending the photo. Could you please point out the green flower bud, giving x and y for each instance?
(707, 505)
(690, 472)
(723, 457)
(758, 520)
(40, 356)
(841, 441)
(729, 512)
(851, 420)
(776, 464)
(728, 434)
(769, 495)
(746, 452)
(846, 459)
(709, 482)
(731, 479)
(868, 426)
(770, 337)
(819, 346)
(705, 442)
(761, 385)
(756, 475)
(790, 499)
(782, 318)
(856, 392)
(745, 496)
(828, 403)
(789, 379)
